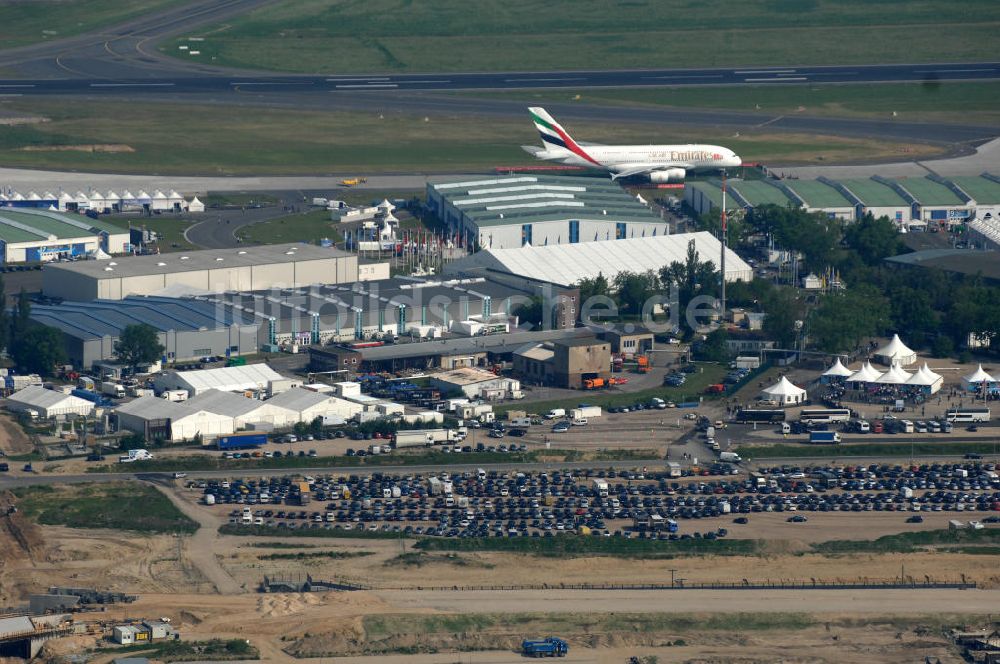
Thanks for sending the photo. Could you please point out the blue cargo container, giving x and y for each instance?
(549, 647)
(238, 441)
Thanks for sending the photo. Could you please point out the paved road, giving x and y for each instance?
(881, 601)
(89, 74)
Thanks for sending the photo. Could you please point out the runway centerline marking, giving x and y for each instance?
(661, 78)
(741, 72)
(369, 85)
(775, 80)
(542, 80)
(131, 85)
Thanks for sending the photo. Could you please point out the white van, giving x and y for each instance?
(864, 426)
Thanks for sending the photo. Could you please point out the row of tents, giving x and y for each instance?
(110, 201)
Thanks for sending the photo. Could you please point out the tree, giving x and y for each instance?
(691, 278)
(39, 350)
(842, 320)
(714, 347)
(593, 287)
(138, 344)
(21, 319)
(873, 239)
(633, 289)
(781, 310)
(530, 312)
(4, 318)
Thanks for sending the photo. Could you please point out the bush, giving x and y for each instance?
(943, 346)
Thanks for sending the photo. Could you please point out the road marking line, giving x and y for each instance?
(131, 85)
(542, 80)
(764, 71)
(775, 80)
(949, 71)
(356, 80)
(17, 86)
(370, 85)
(447, 81)
(271, 83)
(661, 78)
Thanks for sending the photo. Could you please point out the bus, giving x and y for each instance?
(825, 415)
(967, 415)
(760, 415)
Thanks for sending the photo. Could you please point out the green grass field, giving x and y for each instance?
(939, 102)
(31, 21)
(211, 140)
(169, 229)
(517, 35)
(120, 506)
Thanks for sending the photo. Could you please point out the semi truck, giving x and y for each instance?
(426, 437)
(548, 647)
(824, 437)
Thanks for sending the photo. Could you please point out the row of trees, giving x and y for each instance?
(630, 291)
(933, 308)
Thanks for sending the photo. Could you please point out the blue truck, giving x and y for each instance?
(824, 437)
(242, 440)
(547, 647)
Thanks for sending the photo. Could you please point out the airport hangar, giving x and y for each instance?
(31, 236)
(910, 202)
(538, 210)
(210, 270)
(233, 323)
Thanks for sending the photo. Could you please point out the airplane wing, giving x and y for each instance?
(641, 169)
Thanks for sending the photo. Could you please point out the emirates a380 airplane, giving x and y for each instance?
(659, 163)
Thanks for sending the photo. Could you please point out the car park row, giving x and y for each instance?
(598, 502)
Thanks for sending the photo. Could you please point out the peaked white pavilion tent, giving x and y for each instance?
(784, 392)
(974, 380)
(894, 376)
(196, 205)
(836, 372)
(866, 374)
(895, 352)
(926, 379)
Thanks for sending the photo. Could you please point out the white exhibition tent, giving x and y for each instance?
(976, 378)
(895, 352)
(926, 378)
(894, 376)
(784, 392)
(838, 370)
(866, 374)
(196, 205)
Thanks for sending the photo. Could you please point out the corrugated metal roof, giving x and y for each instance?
(929, 192)
(40, 397)
(224, 403)
(299, 399)
(567, 264)
(229, 379)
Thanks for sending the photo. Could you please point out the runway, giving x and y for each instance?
(158, 80)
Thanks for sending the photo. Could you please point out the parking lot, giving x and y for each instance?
(599, 502)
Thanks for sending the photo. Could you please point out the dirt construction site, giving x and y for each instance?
(418, 606)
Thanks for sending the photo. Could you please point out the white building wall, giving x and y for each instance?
(208, 425)
(557, 232)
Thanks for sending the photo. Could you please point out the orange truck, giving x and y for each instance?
(594, 383)
(717, 388)
(642, 364)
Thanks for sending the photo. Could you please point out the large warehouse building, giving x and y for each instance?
(566, 265)
(911, 202)
(352, 312)
(501, 213)
(213, 270)
(187, 329)
(31, 235)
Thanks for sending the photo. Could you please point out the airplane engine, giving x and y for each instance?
(667, 175)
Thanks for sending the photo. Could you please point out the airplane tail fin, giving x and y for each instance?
(553, 135)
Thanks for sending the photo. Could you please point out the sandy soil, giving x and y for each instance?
(13, 440)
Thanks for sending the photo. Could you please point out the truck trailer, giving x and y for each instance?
(548, 647)
(242, 440)
(824, 437)
(585, 412)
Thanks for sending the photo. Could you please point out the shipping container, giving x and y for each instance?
(242, 440)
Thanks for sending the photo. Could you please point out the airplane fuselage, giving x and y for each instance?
(622, 157)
